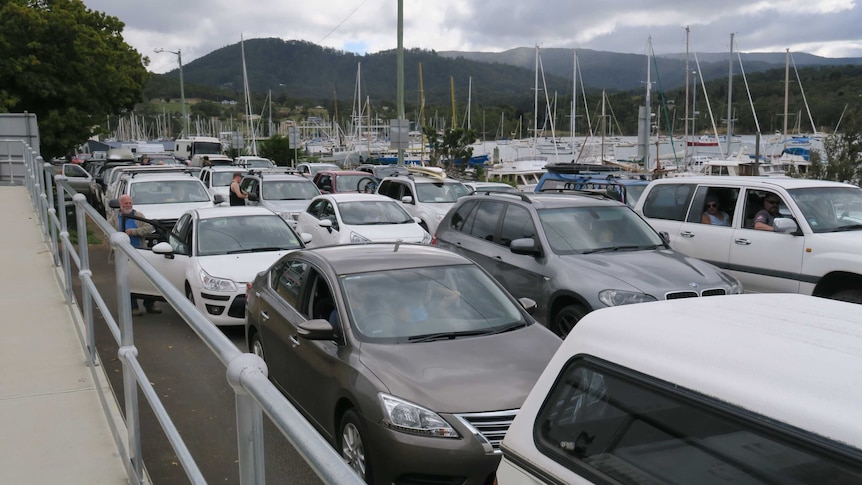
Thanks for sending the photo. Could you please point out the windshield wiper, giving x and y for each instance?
(615, 248)
(508, 328)
(851, 227)
(445, 335)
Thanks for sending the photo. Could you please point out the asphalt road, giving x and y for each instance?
(193, 387)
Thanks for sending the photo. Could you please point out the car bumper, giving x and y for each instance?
(222, 309)
(407, 459)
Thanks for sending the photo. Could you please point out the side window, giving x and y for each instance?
(386, 188)
(320, 302)
(327, 211)
(315, 207)
(713, 205)
(668, 201)
(461, 218)
(757, 200)
(286, 279)
(517, 224)
(601, 420)
(486, 220)
(407, 192)
(248, 185)
(180, 238)
(75, 171)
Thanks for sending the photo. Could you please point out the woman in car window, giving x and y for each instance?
(713, 215)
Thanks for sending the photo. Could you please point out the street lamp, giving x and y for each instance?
(178, 52)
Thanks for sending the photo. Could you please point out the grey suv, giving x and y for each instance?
(574, 253)
(428, 198)
(283, 191)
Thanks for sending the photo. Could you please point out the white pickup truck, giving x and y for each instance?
(811, 246)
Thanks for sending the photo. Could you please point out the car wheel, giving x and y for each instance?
(565, 319)
(852, 296)
(256, 346)
(353, 448)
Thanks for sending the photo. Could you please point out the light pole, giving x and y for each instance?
(179, 54)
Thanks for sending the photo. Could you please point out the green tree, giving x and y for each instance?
(67, 64)
(843, 157)
(453, 144)
(278, 149)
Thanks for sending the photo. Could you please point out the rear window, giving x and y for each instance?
(613, 425)
(668, 201)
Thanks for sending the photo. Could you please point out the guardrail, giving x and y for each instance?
(246, 373)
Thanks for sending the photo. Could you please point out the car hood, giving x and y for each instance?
(287, 205)
(390, 232)
(169, 211)
(654, 272)
(437, 208)
(242, 267)
(469, 374)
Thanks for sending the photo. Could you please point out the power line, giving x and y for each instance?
(342, 22)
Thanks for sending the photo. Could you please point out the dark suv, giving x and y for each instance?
(574, 253)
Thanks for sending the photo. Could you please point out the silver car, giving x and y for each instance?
(574, 253)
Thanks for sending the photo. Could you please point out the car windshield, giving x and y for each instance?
(441, 192)
(257, 163)
(168, 192)
(223, 179)
(830, 209)
(371, 212)
(572, 230)
(443, 301)
(289, 190)
(244, 234)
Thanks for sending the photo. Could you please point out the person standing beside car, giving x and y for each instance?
(136, 230)
(237, 195)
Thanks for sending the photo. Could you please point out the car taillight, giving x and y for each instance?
(434, 240)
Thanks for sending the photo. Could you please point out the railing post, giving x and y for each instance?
(50, 209)
(64, 236)
(127, 349)
(84, 270)
(249, 420)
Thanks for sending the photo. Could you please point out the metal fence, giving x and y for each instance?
(246, 373)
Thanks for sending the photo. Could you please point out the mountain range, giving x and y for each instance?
(302, 70)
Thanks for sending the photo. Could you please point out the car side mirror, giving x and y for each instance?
(525, 245)
(529, 304)
(784, 225)
(218, 199)
(163, 248)
(305, 237)
(418, 220)
(407, 199)
(114, 203)
(253, 197)
(665, 237)
(318, 329)
(326, 223)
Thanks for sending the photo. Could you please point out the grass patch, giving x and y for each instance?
(92, 238)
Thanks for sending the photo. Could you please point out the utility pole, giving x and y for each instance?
(179, 55)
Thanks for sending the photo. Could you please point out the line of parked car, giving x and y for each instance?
(425, 320)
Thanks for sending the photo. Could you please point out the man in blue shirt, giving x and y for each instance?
(137, 230)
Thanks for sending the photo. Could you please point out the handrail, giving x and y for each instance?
(246, 373)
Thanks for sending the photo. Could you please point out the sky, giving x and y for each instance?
(828, 28)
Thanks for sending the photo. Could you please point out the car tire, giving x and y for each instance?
(353, 448)
(566, 319)
(852, 296)
(256, 346)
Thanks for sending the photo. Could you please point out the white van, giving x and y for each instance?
(731, 389)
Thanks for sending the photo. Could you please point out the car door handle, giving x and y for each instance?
(294, 340)
(742, 242)
(264, 315)
(687, 234)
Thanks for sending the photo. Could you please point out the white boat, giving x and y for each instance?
(523, 173)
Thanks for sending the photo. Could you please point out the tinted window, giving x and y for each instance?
(517, 224)
(485, 220)
(389, 189)
(668, 201)
(286, 279)
(600, 421)
(180, 235)
(461, 217)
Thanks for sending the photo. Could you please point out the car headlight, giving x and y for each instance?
(212, 283)
(622, 297)
(735, 285)
(407, 417)
(287, 216)
(358, 239)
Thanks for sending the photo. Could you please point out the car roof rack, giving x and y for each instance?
(273, 171)
(495, 193)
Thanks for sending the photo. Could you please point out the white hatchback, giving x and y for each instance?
(349, 218)
(729, 389)
(212, 253)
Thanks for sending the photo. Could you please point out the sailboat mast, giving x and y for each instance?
(729, 98)
(248, 108)
(687, 72)
(536, 102)
(786, 87)
(574, 98)
(648, 102)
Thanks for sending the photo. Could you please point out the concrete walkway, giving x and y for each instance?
(54, 428)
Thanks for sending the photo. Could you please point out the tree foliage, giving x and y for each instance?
(451, 145)
(843, 154)
(278, 149)
(67, 64)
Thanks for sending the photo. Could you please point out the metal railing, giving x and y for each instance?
(246, 373)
